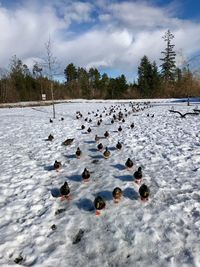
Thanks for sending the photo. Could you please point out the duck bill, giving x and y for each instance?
(144, 199)
(138, 181)
(68, 197)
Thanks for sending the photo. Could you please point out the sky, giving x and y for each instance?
(112, 36)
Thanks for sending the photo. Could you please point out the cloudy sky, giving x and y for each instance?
(109, 35)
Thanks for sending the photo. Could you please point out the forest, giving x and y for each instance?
(20, 83)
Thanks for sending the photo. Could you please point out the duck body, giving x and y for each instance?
(82, 127)
(117, 194)
(50, 137)
(78, 153)
(89, 130)
(99, 204)
(106, 134)
(119, 145)
(64, 190)
(106, 153)
(97, 139)
(132, 125)
(100, 147)
(86, 175)
(144, 192)
(57, 165)
(68, 142)
(138, 175)
(129, 163)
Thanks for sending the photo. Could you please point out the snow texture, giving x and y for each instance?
(37, 228)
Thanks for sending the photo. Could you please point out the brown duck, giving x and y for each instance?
(117, 194)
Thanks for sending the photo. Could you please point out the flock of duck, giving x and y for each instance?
(116, 114)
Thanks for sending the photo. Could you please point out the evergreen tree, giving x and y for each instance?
(145, 72)
(70, 73)
(168, 65)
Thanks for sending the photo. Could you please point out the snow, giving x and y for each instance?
(161, 232)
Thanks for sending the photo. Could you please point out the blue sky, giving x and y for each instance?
(110, 35)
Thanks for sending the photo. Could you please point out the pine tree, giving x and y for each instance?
(145, 77)
(168, 66)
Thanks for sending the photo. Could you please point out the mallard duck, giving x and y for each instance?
(89, 130)
(50, 137)
(106, 153)
(85, 175)
(78, 153)
(98, 123)
(129, 163)
(106, 134)
(144, 192)
(90, 120)
(82, 127)
(97, 139)
(62, 119)
(68, 142)
(112, 121)
(138, 175)
(117, 194)
(100, 147)
(123, 120)
(120, 129)
(99, 204)
(64, 191)
(132, 125)
(119, 145)
(50, 120)
(57, 165)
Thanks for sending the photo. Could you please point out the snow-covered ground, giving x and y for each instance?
(165, 231)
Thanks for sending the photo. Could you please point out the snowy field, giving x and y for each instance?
(165, 231)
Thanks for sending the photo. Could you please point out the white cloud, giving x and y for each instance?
(119, 38)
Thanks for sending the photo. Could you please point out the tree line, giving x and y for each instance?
(22, 84)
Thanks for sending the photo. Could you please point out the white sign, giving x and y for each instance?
(44, 97)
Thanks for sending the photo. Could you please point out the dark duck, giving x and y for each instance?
(99, 204)
(78, 153)
(106, 134)
(138, 175)
(85, 175)
(57, 165)
(65, 191)
(129, 163)
(117, 194)
(119, 145)
(100, 147)
(144, 192)
(50, 137)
